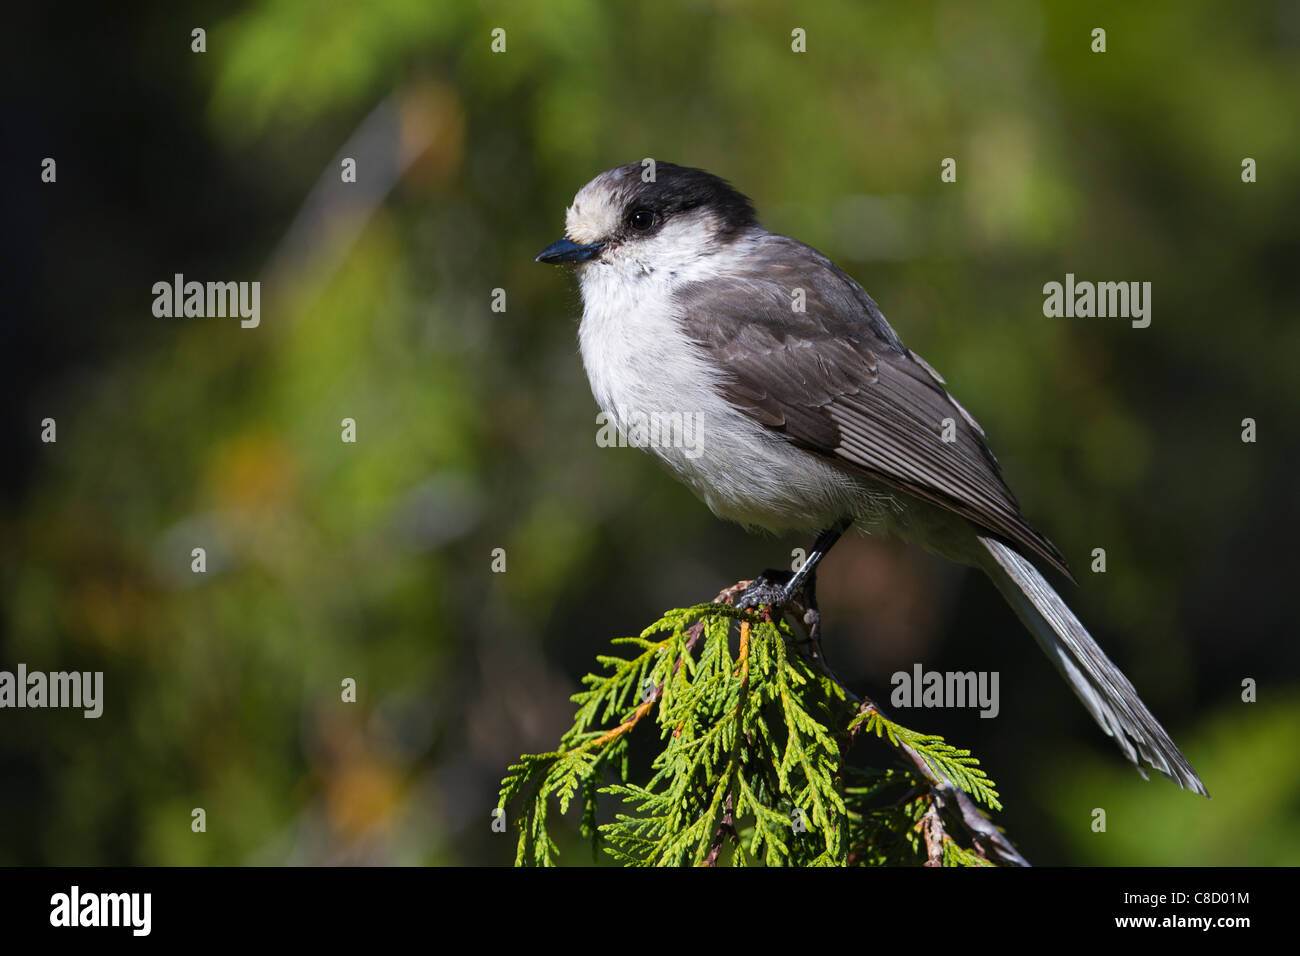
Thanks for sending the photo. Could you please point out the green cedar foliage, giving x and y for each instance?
(752, 767)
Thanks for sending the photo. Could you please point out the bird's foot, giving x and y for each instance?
(771, 589)
(776, 590)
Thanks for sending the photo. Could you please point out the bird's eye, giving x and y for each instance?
(641, 219)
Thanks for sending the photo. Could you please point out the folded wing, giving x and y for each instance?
(806, 352)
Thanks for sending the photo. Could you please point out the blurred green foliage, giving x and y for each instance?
(372, 560)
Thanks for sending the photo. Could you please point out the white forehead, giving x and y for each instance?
(599, 205)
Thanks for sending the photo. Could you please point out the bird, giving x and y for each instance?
(813, 416)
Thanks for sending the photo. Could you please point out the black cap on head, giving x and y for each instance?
(680, 188)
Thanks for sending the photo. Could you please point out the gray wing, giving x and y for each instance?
(836, 380)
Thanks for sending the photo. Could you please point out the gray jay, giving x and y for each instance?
(814, 415)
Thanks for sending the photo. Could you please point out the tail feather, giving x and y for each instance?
(1104, 690)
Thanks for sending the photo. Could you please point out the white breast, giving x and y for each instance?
(641, 364)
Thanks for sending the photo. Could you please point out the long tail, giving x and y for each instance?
(1104, 690)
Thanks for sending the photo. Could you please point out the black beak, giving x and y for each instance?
(566, 251)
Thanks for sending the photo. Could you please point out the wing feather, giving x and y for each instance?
(836, 380)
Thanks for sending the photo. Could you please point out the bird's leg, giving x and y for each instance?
(778, 588)
(804, 578)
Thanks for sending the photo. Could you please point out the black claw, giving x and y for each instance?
(770, 588)
(776, 589)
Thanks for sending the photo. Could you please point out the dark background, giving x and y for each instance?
(476, 429)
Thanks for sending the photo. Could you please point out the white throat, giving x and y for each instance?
(642, 366)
